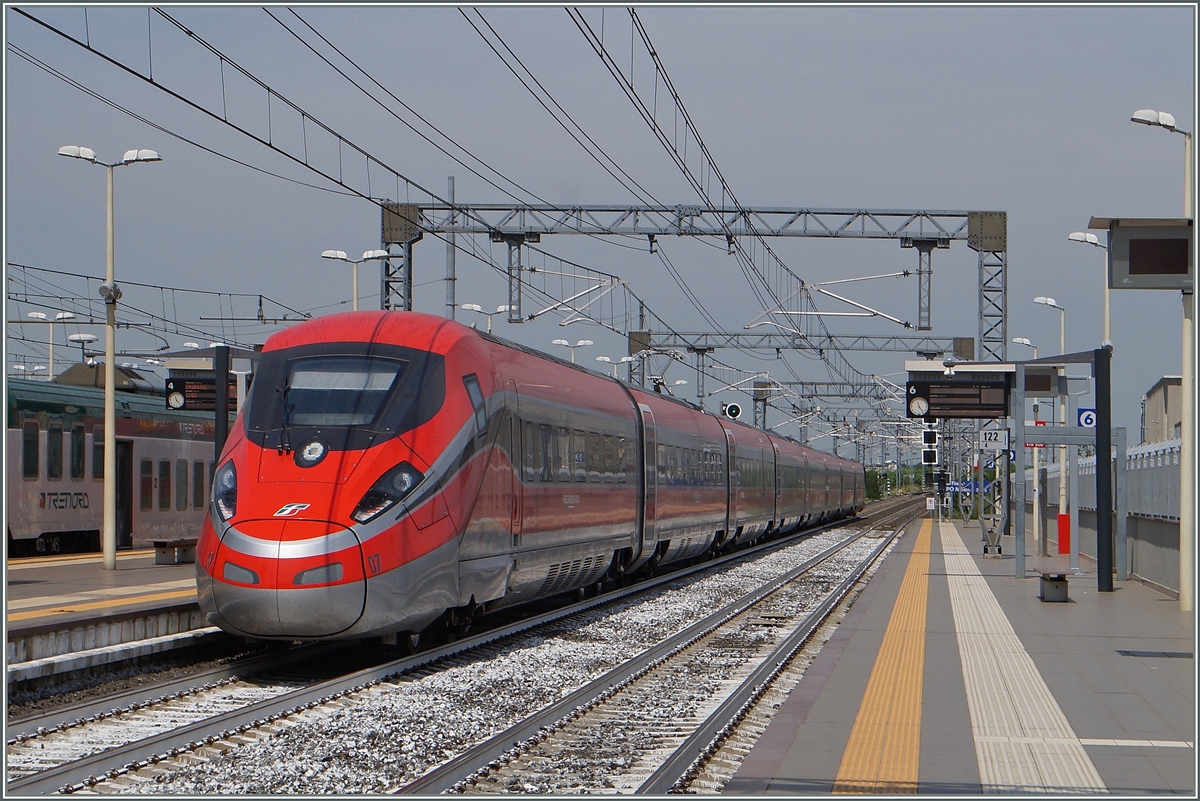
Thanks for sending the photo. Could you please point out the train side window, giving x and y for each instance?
(54, 451)
(198, 485)
(181, 481)
(562, 456)
(147, 481)
(532, 453)
(622, 455)
(579, 453)
(662, 464)
(547, 443)
(29, 450)
(77, 453)
(471, 382)
(595, 457)
(610, 458)
(98, 453)
(164, 485)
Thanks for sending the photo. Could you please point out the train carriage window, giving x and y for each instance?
(54, 451)
(77, 453)
(29, 450)
(595, 457)
(662, 464)
(622, 456)
(181, 482)
(610, 458)
(546, 444)
(579, 454)
(147, 488)
(164, 485)
(198, 485)
(563, 456)
(532, 453)
(471, 382)
(98, 453)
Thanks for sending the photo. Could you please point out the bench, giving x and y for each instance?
(1053, 586)
(174, 552)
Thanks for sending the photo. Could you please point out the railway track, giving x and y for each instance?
(144, 739)
(642, 726)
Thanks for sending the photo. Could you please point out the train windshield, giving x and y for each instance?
(339, 390)
(350, 394)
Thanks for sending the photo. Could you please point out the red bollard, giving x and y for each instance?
(1064, 534)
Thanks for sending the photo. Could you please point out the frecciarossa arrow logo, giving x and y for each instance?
(291, 509)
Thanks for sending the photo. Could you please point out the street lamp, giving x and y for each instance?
(1187, 396)
(111, 294)
(340, 255)
(1025, 341)
(475, 307)
(1093, 240)
(583, 343)
(1064, 520)
(1161, 119)
(82, 340)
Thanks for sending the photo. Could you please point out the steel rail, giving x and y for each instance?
(704, 740)
(27, 726)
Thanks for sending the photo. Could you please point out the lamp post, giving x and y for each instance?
(1187, 396)
(1092, 239)
(583, 343)
(41, 317)
(475, 307)
(340, 255)
(1037, 494)
(111, 294)
(1064, 519)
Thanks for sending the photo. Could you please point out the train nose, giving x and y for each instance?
(293, 578)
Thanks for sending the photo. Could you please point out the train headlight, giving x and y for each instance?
(225, 491)
(385, 493)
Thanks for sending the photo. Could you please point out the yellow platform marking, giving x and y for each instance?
(30, 562)
(96, 600)
(884, 751)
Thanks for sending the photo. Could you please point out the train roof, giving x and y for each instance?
(440, 334)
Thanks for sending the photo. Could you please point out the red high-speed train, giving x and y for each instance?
(392, 468)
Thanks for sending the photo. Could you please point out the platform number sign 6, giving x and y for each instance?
(1087, 418)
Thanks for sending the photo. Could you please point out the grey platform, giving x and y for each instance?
(1120, 666)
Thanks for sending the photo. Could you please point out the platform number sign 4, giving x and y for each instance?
(1087, 418)
(993, 440)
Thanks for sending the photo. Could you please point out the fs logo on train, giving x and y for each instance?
(290, 509)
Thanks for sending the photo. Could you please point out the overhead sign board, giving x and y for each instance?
(957, 399)
(197, 394)
(1149, 253)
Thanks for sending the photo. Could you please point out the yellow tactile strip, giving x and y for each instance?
(884, 750)
(92, 600)
(1023, 741)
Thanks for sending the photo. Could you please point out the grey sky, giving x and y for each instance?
(1024, 110)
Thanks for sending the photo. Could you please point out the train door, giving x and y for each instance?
(514, 439)
(124, 494)
(731, 481)
(649, 476)
(776, 476)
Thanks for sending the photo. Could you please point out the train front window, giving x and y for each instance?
(338, 390)
(352, 395)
